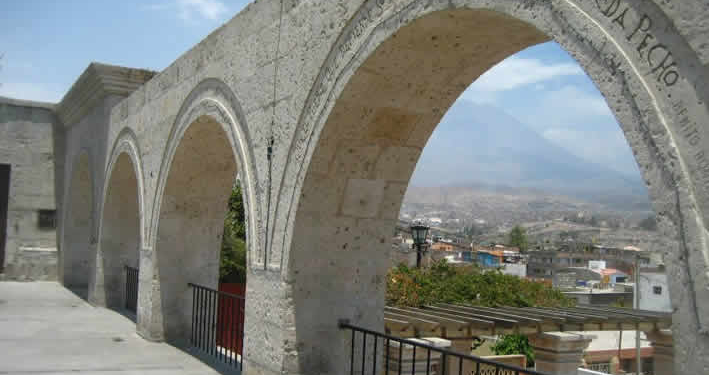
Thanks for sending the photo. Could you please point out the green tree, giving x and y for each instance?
(232, 261)
(518, 238)
(514, 344)
(444, 283)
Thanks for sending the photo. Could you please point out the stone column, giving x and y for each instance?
(96, 289)
(559, 352)
(149, 315)
(663, 351)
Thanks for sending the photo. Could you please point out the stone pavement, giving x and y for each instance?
(46, 329)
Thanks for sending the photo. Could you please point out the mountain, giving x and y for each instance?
(482, 144)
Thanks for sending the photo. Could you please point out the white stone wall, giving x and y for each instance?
(346, 138)
(27, 133)
(648, 299)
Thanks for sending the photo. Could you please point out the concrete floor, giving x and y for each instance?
(46, 329)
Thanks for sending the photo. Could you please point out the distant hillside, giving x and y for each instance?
(481, 144)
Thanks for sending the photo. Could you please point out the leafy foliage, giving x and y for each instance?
(442, 282)
(467, 285)
(514, 344)
(518, 238)
(232, 267)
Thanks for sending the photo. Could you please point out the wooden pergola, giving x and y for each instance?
(459, 321)
(556, 334)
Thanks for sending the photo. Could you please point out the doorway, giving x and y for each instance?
(4, 197)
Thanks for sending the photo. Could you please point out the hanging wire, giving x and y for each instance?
(271, 139)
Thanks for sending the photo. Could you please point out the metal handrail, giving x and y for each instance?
(215, 329)
(344, 324)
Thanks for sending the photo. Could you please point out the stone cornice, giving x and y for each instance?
(94, 84)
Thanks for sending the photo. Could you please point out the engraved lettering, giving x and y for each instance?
(612, 64)
(644, 21)
(611, 9)
(643, 43)
(620, 19)
(667, 70)
(702, 163)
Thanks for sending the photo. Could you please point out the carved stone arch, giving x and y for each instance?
(126, 143)
(648, 87)
(194, 184)
(121, 229)
(213, 98)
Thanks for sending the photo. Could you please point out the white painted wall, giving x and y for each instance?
(649, 300)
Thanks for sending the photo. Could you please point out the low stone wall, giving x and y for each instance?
(32, 264)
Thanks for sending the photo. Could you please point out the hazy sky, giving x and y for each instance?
(48, 44)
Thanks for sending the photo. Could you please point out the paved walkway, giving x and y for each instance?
(46, 329)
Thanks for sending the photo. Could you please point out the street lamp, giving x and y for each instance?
(419, 233)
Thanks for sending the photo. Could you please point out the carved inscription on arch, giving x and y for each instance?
(639, 33)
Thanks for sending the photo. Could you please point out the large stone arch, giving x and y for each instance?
(395, 70)
(121, 229)
(207, 146)
(76, 257)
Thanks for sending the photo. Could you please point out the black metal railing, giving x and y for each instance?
(131, 296)
(378, 353)
(217, 325)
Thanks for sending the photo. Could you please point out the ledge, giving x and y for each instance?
(94, 84)
(26, 103)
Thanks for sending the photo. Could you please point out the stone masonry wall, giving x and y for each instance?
(27, 132)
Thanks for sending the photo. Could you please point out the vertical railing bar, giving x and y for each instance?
(386, 359)
(205, 324)
(460, 365)
(477, 368)
(352, 353)
(199, 316)
(207, 304)
(376, 354)
(194, 293)
(443, 363)
(232, 352)
(413, 360)
(205, 297)
(210, 331)
(213, 327)
(364, 350)
(497, 369)
(240, 332)
(218, 327)
(401, 352)
(428, 362)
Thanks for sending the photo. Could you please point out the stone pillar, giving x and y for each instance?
(149, 315)
(96, 289)
(663, 351)
(559, 352)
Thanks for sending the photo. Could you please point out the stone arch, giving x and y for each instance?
(121, 223)
(199, 168)
(397, 68)
(76, 260)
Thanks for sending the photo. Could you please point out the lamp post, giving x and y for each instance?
(419, 233)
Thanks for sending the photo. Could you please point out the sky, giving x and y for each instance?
(46, 45)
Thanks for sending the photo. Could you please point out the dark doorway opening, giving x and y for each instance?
(4, 197)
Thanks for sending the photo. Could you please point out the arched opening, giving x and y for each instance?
(363, 159)
(191, 223)
(77, 255)
(120, 236)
